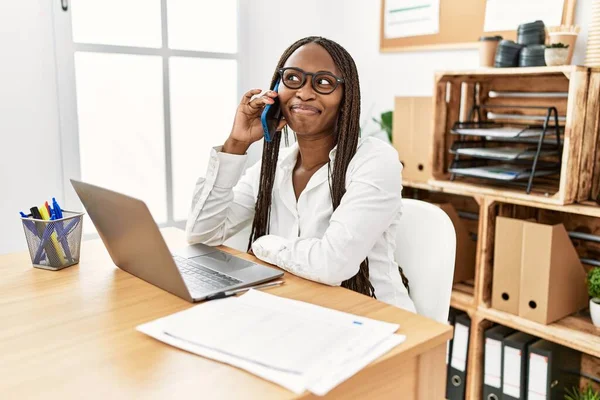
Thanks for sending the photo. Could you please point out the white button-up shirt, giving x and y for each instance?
(306, 237)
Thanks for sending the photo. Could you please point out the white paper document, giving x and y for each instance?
(507, 15)
(502, 153)
(503, 172)
(404, 18)
(297, 345)
(502, 132)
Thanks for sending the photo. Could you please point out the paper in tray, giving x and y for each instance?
(503, 132)
(502, 153)
(504, 172)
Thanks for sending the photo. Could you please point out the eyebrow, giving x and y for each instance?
(318, 72)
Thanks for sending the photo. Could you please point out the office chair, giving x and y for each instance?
(426, 250)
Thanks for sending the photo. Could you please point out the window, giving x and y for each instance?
(155, 85)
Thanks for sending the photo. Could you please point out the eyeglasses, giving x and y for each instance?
(322, 82)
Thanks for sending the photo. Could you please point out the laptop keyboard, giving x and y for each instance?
(202, 279)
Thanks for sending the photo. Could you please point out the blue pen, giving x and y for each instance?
(56, 208)
(44, 241)
(29, 224)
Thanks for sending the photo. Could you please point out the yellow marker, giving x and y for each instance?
(53, 237)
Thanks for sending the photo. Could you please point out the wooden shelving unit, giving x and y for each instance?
(463, 298)
(575, 331)
(570, 201)
(586, 208)
(473, 297)
(573, 92)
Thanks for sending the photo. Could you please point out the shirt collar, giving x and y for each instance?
(289, 159)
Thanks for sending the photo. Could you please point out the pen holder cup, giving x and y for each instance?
(54, 244)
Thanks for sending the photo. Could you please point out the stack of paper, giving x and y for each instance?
(502, 132)
(297, 345)
(503, 153)
(504, 172)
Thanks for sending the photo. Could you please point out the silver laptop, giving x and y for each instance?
(136, 245)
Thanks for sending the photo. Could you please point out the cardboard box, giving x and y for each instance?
(412, 132)
(537, 271)
(552, 277)
(507, 264)
(466, 248)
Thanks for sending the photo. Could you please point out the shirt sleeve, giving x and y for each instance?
(372, 200)
(223, 201)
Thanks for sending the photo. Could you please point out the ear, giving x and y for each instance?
(282, 123)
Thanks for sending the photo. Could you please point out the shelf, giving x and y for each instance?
(505, 195)
(462, 297)
(564, 69)
(575, 331)
(499, 193)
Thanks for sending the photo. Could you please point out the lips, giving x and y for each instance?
(304, 109)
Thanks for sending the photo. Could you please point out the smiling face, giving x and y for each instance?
(307, 112)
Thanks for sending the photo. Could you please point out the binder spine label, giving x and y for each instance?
(459, 347)
(538, 377)
(493, 362)
(511, 383)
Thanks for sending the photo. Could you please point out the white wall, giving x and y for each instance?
(29, 146)
(269, 26)
(30, 166)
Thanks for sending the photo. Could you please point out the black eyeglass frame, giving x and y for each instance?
(303, 74)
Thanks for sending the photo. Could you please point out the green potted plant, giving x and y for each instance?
(386, 123)
(578, 394)
(593, 284)
(556, 54)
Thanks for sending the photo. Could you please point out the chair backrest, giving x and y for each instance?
(426, 250)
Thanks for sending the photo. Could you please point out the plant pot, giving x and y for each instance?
(595, 311)
(556, 56)
(564, 37)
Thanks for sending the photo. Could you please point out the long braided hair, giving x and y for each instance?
(347, 136)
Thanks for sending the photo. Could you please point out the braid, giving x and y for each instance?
(348, 133)
(262, 212)
(347, 136)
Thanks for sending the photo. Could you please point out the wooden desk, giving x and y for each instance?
(71, 334)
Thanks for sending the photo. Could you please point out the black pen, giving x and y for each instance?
(229, 293)
(35, 212)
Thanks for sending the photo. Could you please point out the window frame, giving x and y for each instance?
(65, 49)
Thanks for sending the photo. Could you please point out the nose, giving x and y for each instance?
(306, 92)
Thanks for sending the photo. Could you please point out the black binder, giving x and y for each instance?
(492, 372)
(552, 368)
(457, 375)
(451, 318)
(514, 365)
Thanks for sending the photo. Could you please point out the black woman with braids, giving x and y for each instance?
(325, 208)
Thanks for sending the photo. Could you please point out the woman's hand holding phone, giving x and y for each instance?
(247, 127)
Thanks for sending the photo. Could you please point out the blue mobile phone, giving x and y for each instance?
(271, 116)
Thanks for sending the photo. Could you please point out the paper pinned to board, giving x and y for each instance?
(335, 346)
(405, 18)
(507, 15)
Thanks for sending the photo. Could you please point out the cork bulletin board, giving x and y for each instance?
(461, 23)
